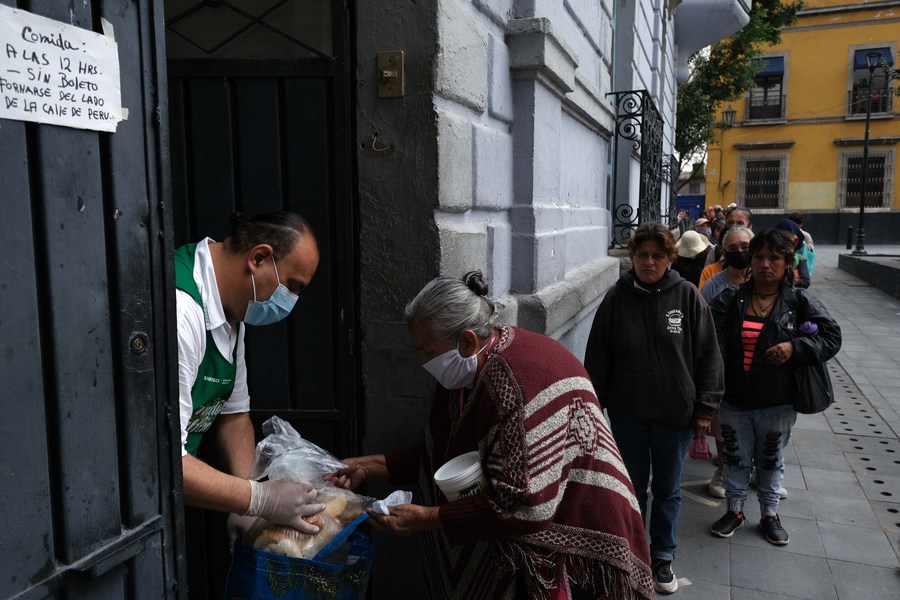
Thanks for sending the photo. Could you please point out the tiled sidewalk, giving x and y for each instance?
(843, 476)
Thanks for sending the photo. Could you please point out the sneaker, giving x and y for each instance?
(783, 493)
(664, 580)
(717, 485)
(728, 524)
(774, 532)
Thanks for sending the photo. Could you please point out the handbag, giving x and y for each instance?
(340, 570)
(814, 392)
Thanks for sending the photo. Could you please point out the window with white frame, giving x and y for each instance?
(877, 92)
(766, 99)
(879, 184)
(762, 180)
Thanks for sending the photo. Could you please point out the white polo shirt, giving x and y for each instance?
(192, 323)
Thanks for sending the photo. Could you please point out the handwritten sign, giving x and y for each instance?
(60, 74)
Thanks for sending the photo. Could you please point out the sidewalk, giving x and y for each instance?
(842, 473)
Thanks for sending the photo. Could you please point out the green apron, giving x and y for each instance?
(215, 375)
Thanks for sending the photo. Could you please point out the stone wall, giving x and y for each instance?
(496, 159)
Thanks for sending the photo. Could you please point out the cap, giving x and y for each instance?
(700, 221)
(691, 244)
(790, 227)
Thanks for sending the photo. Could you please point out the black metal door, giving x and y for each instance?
(260, 97)
(86, 465)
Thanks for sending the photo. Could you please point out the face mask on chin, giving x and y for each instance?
(453, 370)
(277, 307)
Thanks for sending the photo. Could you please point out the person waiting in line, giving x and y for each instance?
(559, 511)
(252, 277)
(692, 249)
(702, 227)
(738, 216)
(808, 249)
(653, 358)
(736, 242)
(800, 266)
(758, 327)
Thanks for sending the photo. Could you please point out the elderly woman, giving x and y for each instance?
(653, 359)
(559, 518)
(736, 258)
(759, 329)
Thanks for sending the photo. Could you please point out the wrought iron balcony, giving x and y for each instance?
(757, 107)
(882, 100)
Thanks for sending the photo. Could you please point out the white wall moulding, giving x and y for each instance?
(535, 52)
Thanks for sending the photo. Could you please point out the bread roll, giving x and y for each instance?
(281, 539)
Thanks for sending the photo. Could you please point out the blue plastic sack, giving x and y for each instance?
(340, 571)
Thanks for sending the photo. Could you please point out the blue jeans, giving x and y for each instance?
(755, 437)
(647, 447)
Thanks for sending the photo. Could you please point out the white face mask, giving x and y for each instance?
(452, 370)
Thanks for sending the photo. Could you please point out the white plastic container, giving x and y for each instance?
(461, 477)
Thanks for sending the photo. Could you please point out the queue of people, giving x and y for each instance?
(576, 506)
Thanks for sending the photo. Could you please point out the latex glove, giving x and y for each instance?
(237, 526)
(284, 502)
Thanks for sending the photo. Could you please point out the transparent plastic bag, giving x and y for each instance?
(284, 454)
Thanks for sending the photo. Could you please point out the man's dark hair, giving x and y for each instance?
(281, 230)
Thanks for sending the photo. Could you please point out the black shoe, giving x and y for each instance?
(664, 580)
(728, 524)
(774, 532)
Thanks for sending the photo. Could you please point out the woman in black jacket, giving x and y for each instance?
(765, 327)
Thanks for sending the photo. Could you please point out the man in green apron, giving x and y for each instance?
(253, 278)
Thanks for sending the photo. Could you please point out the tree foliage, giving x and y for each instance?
(726, 73)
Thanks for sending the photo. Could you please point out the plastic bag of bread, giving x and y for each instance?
(282, 539)
(341, 508)
(284, 454)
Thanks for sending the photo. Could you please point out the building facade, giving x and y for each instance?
(799, 135)
(503, 149)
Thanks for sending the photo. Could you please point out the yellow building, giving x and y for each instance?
(798, 136)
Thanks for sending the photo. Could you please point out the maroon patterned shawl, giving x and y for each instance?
(561, 502)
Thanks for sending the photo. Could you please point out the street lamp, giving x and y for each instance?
(727, 123)
(728, 116)
(872, 60)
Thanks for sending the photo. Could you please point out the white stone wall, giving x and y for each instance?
(524, 131)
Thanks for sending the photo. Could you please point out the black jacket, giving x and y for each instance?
(769, 385)
(653, 355)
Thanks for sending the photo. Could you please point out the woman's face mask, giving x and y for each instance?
(277, 307)
(739, 259)
(705, 231)
(453, 370)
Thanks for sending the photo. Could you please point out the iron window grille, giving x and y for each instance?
(766, 100)
(256, 29)
(762, 181)
(879, 174)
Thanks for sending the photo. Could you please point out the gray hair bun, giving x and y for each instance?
(474, 280)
